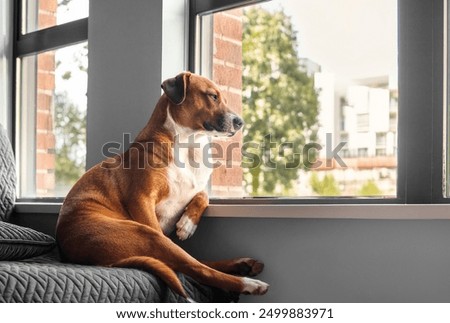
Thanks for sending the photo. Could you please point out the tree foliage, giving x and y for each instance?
(280, 104)
(70, 133)
(327, 186)
(370, 188)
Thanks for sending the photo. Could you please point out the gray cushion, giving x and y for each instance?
(45, 279)
(18, 243)
(7, 176)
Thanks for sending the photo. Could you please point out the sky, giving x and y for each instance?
(351, 38)
(75, 87)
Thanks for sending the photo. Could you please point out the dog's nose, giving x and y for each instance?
(237, 123)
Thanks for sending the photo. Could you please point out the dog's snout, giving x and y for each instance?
(237, 123)
(227, 124)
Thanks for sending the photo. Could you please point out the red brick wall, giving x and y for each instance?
(227, 73)
(45, 138)
(47, 13)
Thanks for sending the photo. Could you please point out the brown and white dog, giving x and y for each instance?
(120, 211)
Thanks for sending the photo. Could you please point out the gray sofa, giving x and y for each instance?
(31, 271)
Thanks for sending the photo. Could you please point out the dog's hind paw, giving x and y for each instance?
(246, 267)
(254, 286)
(185, 227)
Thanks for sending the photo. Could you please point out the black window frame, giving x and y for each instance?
(421, 84)
(33, 43)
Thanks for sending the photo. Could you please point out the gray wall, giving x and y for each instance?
(306, 260)
(125, 41)
(336, 260)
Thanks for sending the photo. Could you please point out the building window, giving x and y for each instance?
(363, 152)
(381, 139)
(298, 83)
(51, 86)
(362, 122)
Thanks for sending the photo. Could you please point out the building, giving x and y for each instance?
(364, 117)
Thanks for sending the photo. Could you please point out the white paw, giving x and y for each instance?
(254, 286)
(185, 227)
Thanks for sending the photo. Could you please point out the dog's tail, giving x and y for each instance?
(158, 268)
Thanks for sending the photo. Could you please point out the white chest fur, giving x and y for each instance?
(187, 175)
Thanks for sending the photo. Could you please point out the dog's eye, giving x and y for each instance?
(214, 97)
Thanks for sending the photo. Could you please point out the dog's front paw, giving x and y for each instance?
(185, 227)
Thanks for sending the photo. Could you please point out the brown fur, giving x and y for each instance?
(109, 217)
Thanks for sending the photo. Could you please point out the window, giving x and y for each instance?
(363, 152)
(381, 103)
(314, 96)
(362, 122)
(50, 100)
(41, 14)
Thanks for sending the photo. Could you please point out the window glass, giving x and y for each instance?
(52, 101)
(316, 84)
(40, 14)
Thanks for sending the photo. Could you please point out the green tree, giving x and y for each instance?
(70, 123)
(70, 133)
(370, 188)
(325, 187)
(280, 104)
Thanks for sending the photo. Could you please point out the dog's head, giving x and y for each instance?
(196, 103)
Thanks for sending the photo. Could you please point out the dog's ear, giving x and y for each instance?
(175, 88)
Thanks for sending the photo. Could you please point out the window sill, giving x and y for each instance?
(304, 211)
(37, 207)
(335, 211)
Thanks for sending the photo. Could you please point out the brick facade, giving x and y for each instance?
(226, 181)
(45, 87)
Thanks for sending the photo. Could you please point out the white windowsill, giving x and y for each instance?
(304, 211)
(335, 211)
